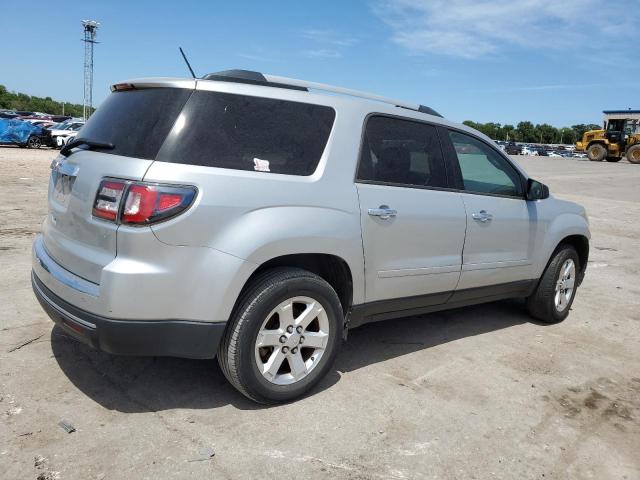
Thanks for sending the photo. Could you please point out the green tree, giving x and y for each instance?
(22, 101)
(567, 135)
(526, 131)
(508, 132)
(545, 133)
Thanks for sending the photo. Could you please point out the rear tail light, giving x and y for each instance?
(141, 203)
(108, 199)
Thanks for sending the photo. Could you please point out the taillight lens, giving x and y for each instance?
(144, 203)
(108, 199)
(140, 203)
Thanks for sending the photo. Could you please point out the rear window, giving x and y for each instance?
(136, 122)
(249, 133)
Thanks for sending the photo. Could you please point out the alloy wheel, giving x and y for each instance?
(565, 285)
(292, 340)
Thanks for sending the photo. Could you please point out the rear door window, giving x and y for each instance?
(402, 152)
(136, 122)
(249, 133)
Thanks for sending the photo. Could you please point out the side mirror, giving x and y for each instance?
(536, 190)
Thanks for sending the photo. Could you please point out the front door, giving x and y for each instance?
(413, 228)
(501, 226)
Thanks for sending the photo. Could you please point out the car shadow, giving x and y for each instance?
(150, 384)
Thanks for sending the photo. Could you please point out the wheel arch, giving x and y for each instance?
(578, 241)
(572, 228)
(331, 268)
(581, 244)
(597, 141)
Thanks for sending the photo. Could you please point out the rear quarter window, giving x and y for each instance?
(249, 133)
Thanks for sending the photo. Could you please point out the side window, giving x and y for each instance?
(249, 133)
(483, 169)
(401, 152)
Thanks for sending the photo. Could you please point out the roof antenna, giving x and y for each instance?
(187, 62)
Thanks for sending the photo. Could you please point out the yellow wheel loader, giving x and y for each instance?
(620, 136)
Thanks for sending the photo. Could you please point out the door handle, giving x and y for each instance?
(482, 216)
(384, 212)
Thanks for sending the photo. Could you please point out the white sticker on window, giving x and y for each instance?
(260, 165)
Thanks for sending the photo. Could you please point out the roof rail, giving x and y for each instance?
(257, 78)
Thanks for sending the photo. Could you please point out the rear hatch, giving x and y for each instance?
(135, 122)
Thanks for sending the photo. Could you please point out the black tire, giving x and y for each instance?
(541, 304)
(633, 154)
(613, 159)
(597, 152)
(34, 142)
(236, 354)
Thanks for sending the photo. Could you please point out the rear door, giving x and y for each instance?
(501, 226)
(413, 226)
(136, 123)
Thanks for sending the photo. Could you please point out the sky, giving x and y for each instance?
(548, 61)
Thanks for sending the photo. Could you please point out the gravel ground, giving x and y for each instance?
(479, 392)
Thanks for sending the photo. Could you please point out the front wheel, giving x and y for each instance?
(597, 152)
(633, 154)
(553, 297)
(34, 142)
(283, 335)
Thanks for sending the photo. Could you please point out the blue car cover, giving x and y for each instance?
(17, 131)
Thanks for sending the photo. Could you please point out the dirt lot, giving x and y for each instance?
(473, 393)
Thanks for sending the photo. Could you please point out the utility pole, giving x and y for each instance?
(90, 31)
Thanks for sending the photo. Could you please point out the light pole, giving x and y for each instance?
(90, 31)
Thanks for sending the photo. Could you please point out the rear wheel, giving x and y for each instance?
(34, 142)
(283, 336)
(633, 154)
(596, 152)
(553, 297)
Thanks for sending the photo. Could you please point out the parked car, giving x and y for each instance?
(23, 134)
(252, 220)
(540, 151)
(528, 150)
(553, 154)
(8, 114)
(63, 132)
(512, 149)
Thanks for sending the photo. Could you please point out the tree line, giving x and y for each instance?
(22, 101)
(529, 133)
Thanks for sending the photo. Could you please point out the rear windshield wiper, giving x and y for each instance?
(66, 150)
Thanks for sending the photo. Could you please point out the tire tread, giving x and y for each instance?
(541, 303)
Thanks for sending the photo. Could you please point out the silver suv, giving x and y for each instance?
(257, 218)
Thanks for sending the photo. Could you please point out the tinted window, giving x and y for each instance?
(136, 122)
(402, 152)
(249, 133)
(483, 169)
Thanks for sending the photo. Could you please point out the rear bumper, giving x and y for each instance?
(171, 338)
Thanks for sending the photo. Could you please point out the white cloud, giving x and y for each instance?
(478, 28)
(328, 37)
(326, 43)
(322, 53)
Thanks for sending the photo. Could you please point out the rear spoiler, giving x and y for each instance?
(159, 82)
